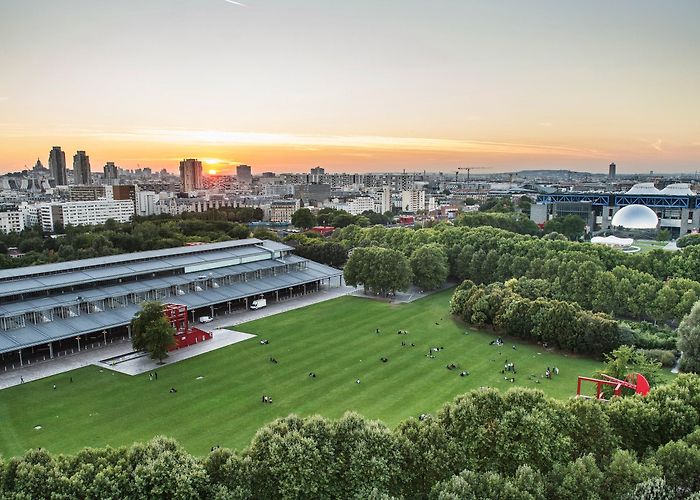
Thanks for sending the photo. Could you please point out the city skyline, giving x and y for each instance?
(375, 86)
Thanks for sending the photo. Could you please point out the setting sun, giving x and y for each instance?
(212, 171)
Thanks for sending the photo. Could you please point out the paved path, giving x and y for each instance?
(143, 364)
(413, 293)
(140, 365)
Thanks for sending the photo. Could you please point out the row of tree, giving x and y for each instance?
(152, 233)
(383, 270)
(657, 285)
(312, 246)
(554, 322)
(305, 218)
(484, 444)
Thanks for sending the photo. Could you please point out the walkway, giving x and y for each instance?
(81, 359)
(413, 293)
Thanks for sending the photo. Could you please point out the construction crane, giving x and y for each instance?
(468, 169)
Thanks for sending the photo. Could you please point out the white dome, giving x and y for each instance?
(635, 217)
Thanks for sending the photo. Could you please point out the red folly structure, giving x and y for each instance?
(635, 381)
(184, 335)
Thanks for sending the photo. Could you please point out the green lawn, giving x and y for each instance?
(648, 245)
(335, 339)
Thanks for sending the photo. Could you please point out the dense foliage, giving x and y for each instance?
(517, 223)
(689, 340)
(688, 240)
(484, 444)
(430, 266)
(379, 270)
(313, 246)
(657, 285)
(144, 233)
(553, 322)
(571, 226)
(151, 331)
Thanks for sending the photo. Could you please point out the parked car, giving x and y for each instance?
(206, 319)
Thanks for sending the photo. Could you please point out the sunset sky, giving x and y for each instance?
(353, 85)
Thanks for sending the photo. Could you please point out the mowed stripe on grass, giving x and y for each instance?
(336, 339)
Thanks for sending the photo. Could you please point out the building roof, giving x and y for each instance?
(678, 189)
(31, 335)
(139, 261)
(105, 292)
(643, 188)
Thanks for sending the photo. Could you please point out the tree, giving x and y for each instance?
(151, 331)
(303, 218)
(342, 219)
(663, 235)
(689, 340)
(430, 267)
(379, 270)
(375, 218)
(571, 226)
(263, 233)
(626, 360)
(469, 485)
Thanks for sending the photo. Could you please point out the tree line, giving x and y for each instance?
(143, 233)
(556, 323)
(657, 285)
(384, 270)
(484, 444)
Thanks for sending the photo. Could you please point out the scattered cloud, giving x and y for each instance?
(315, 142)
(236, 3)
(657, 145)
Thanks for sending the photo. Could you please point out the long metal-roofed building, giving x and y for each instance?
(49, 309)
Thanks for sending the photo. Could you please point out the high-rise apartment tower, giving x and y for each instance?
(81, 168)
(243, 174)
(57, 166)
(190, 175)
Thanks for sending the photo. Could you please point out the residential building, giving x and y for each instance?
(11, 221)
(57, 166)
(190, 175)
(81, 168)
(146, 203)
(355, 205)
(86, 193)
(413, 200)
(122, 192)
(385, 205)
(281, 211)
(111, 173)
(312, 193)
(280, 190)
(243, 174)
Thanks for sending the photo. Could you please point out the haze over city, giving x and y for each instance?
(353, 86)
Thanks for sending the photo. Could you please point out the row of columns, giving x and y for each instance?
(229, 303)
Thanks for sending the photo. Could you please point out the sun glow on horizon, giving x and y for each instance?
(212, 171)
